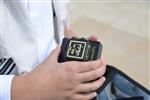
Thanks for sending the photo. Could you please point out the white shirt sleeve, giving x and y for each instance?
(62, 17)
(5, 87)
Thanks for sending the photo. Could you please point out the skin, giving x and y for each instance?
(60, 81)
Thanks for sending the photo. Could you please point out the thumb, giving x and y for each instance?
(93, 38)
(55, 54)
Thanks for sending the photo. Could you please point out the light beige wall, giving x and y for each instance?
(123, 29)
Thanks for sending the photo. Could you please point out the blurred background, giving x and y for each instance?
(123, 28)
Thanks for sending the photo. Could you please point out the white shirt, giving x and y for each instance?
(27, 34)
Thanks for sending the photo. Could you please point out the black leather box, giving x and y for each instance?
(79, 49)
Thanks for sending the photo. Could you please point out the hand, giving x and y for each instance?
(59, 81)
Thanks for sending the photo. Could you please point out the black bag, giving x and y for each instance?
(119, 86)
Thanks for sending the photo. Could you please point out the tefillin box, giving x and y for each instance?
(79, 49)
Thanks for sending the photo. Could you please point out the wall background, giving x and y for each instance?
(123, 28)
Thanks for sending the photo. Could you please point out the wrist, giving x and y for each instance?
(20, 87)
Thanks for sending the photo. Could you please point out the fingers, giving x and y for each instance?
(88, 66)
(86, 96)
(85, 90)
(90, 86)
(92, 75)
(92, 38)
(87, 71)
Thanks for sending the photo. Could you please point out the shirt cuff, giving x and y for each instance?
(5, 87)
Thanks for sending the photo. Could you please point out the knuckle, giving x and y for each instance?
(91, 66)
(96, 74)
(97, 86)
(103, 69)
(94, 87)
(70, 69)
(88, 97)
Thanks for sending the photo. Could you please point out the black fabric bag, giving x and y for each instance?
(119, 86)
